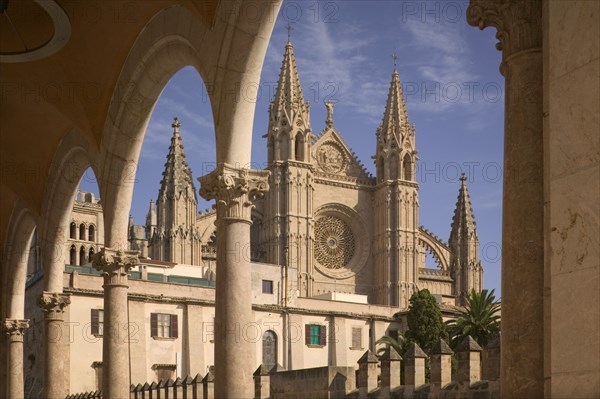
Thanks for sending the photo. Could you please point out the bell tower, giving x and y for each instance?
(286, 233)
(396, 203)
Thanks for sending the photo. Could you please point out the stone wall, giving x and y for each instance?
(319, 382)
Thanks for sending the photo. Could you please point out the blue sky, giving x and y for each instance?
(453, 90)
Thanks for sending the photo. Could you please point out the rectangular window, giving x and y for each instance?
(356, 338)
(163, 325)
(315, 335)
(97, 321)
(267, 287)
(393, 334)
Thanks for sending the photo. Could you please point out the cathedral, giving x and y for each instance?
(338, 228)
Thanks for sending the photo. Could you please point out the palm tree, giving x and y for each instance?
(400, 344)
(480, 319)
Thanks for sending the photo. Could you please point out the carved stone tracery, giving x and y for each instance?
(334, 242)
(234, 190)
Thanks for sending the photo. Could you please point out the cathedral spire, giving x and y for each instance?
(395, 118)
(463, 222)
(288, 103)
(465, 267)
(177, 176)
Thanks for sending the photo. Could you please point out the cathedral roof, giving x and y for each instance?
(288, 102)
(177, 176)
(395, 123)
(463, 221)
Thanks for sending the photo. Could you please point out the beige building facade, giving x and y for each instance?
(550, 60)
(335, 251)
(325, 217)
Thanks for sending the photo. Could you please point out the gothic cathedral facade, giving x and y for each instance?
(325, 217)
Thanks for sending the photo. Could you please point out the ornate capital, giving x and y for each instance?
(15, 328)
(54, 303)
(518, 22)
(234, 190)
(114, 264)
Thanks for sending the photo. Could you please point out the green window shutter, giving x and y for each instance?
(315, 333)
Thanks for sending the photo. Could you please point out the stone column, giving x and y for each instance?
(15, 329)
(519, 30)
(53, 305)
(114, 265)
(233, 190)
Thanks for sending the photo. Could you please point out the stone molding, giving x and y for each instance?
(114, 264)
(234, 190)
(518, 23)
(54, 303)
(15, 328)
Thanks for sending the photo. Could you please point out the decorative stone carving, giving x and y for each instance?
(15, 328)
(337, 251)
(114, 264)
(234, 190)
(53, 303)
(331, 158)
(334, 242)
(518, 23)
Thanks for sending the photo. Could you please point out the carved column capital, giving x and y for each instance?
(114, 264)
(54, 303)
(518, 23)
(15, 328)
(234, 190)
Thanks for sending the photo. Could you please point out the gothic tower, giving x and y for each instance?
(285, 234)
(173, 224)
(465, 267)
(396, 204)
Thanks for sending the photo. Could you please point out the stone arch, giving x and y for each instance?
(439, 250)
(92, 233)
(82, 255)
(72, 158)
(72, 255)
(299, 147)
(407, 167)
(82, 235)
(171, 40)
(21, 226)
(269, 349)
(395, 166)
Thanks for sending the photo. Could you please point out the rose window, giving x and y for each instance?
(334, 242)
